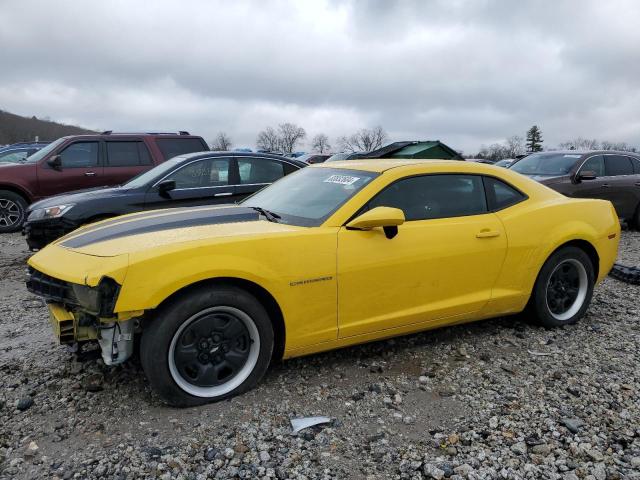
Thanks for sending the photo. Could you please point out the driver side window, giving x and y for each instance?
(434, 196)
(80, 155)
(594, 164)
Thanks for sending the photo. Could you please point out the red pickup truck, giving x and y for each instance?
(81, 162)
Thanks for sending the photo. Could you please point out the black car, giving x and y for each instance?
(203, 178)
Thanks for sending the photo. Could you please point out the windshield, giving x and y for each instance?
(43, 152)
(156, 172)
(309, 196)
(546, 164)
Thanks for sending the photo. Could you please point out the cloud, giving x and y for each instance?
(466, 72)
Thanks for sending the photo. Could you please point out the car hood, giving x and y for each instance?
(77, 196)
(8, 167)
(144, 231)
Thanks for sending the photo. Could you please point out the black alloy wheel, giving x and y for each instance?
(211, 342)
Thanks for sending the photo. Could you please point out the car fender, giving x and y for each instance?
(184, 268)
(19, 189)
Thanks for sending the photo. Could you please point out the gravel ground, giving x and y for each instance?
(494, 399)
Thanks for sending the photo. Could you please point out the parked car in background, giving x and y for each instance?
(480, 160)
(84, 161)
(17, 154)
(36, 145)
(314, 157)
(610, 175)
(187, 180)
(505, 162)
(334, 255)
(345, 156)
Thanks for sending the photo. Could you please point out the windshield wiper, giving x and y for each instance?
(269, 215)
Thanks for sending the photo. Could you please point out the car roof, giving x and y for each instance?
(210, 154)
(378, 165)
(587, 152)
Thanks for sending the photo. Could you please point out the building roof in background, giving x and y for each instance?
(416, 149)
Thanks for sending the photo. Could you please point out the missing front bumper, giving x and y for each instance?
(116, 338)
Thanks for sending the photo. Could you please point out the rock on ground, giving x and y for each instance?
(465, 402)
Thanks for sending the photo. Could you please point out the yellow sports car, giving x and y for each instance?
(333, 255)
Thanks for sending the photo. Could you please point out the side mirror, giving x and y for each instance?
(386, 217)
(55, 162)
(165, 187)
(586, 175)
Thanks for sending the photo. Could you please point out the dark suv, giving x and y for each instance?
(84, 161)
(613, 176)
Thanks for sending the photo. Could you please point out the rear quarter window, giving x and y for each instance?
(172, 147)
(501, 195)
(615, 165)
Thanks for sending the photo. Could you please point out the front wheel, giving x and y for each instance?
(564, 288)
(212, 343)
(12, 211)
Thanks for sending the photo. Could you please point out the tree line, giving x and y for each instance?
(516, 145)
(287, 137)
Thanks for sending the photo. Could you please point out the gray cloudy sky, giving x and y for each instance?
(465, 72)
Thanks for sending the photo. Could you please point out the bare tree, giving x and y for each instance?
(269, 140)
(620, 146)
(284, 139)
(290, 135)
(365, 140)
(494, 152)
(580, 144)
(514, 146)
(320, 143)
(221, 143)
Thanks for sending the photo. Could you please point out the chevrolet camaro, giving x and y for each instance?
(333, 255)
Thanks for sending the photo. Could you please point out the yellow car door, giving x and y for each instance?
(441, 264)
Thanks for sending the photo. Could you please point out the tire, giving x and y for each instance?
(187, 347)
(12, 211)
(636, 218)
(564, 287)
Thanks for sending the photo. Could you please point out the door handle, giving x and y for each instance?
(487, 234)
(223, 194)
(90, 174)
(637, 184)
(605, 185)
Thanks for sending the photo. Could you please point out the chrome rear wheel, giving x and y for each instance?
(566, 289)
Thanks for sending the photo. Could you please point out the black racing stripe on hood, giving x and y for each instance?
(156, 223)
(129, 218)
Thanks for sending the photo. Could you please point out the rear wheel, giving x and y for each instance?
(12, 211)
(209, 344)
(564, 288)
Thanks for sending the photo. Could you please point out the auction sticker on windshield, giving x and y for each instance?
(342, 179)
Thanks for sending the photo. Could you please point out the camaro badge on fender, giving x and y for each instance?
(310, 280)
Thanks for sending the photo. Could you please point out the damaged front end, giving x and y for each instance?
(80, 313)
